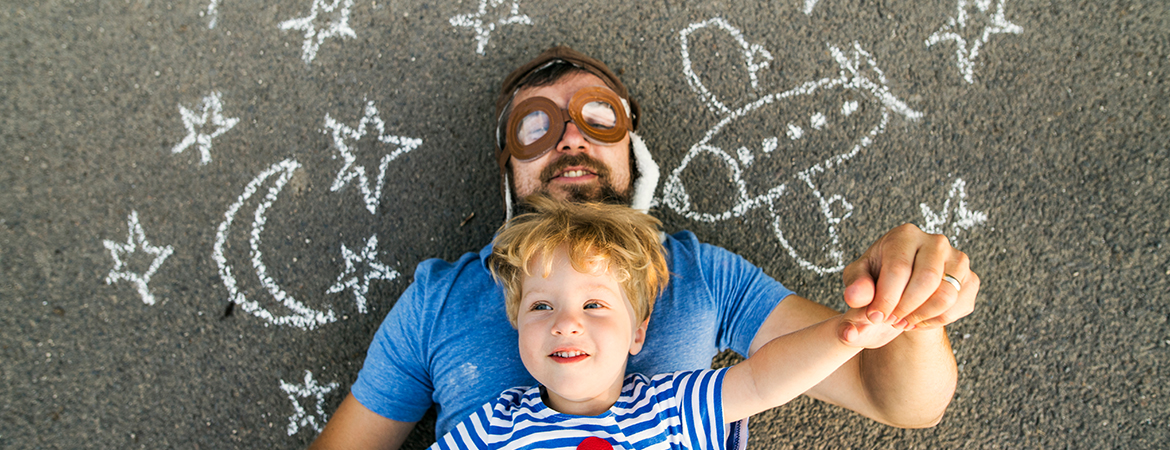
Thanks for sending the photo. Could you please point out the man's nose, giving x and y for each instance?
(572, 140)
(567, 323)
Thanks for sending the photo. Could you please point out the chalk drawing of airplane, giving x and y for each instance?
(775, 153)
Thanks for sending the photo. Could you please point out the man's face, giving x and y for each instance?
(576, 331)
(577, 169)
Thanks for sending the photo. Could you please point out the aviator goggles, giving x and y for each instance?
(534, 126)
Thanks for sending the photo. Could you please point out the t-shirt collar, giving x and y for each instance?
(484, 254)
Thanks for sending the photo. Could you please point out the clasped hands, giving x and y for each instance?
(899, 282)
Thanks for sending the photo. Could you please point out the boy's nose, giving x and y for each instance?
(567, 324)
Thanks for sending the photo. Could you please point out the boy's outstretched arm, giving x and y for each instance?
(792, 364)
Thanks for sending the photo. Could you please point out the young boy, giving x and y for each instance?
(580, 281)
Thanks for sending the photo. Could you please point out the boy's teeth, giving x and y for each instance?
(567, 354)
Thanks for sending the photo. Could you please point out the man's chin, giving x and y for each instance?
(584, 193)
(591, 193)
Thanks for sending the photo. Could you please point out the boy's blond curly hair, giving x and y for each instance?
(597, 237)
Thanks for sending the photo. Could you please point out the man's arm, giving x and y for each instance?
(353, 426)
(910, 381)
(793, 363)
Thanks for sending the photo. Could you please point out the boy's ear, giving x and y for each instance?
(639, 337)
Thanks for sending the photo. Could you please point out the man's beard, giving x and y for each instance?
(603, 191)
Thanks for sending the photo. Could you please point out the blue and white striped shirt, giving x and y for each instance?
(681, 410)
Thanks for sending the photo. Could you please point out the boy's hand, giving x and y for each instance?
(856, 330)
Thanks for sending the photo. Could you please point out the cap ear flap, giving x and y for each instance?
(647, 182)
(635, 113)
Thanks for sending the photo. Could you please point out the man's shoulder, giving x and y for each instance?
(684, 247)
(681, 244)
(687, 240)
(684, 237)
(436, 269)
(438, 282)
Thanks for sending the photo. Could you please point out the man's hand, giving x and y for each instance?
(899, 280)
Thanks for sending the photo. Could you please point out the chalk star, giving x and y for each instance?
(360, 284)
(483, 31)
(210, 109)
(955, 25)
(135, 242)
(349, 170)
(301, 418)
(211, 12)
(338, 27)
(963, 218)
(809, 5)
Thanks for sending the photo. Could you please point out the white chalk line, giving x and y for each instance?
(349, 171)
(808, 6)
(850, 77)
(964, 218)
(483, 30)
(212, 13)
(360, 285)
(303, 316)
(210, 109)
(310, 389)
(675, 193)
(950, 31)
(315, 37)
(750, 53)
(818, 121)
(135, 241)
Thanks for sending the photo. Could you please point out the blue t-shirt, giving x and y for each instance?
(672, 411)
(448, 342)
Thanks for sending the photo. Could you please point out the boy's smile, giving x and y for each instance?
(568, 356)
(576, 332)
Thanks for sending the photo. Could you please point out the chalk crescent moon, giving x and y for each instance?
(302, 316)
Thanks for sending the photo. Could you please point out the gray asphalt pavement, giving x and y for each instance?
(207, 207)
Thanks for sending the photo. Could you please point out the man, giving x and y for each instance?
(566, 129)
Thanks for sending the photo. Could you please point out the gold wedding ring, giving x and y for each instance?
(953, 281)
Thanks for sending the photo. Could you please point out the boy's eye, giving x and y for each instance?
(540, 307)
(594, 305)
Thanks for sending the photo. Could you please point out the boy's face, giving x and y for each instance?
(576, 332)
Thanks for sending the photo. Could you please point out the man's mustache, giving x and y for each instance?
(579, 159)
